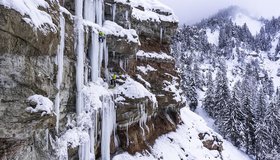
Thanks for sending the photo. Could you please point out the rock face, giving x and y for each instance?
(164, 117)
(28, 66)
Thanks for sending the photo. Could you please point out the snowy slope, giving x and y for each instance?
(184, 144)
(253, 24)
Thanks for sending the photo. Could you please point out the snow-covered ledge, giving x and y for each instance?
(39, 104)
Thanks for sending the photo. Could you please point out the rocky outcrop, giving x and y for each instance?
(28, 67)
(28, 62)
(211, 142)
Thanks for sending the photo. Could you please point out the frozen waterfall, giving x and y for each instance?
(59, 62)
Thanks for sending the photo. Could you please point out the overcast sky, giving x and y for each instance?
(192, 11)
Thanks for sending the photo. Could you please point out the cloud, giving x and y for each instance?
(192, 11)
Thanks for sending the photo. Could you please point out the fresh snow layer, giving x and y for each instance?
(213, 37)
(184, 144)
(147, 5)
(43, 104)
(147, 69)
(253, 25)
(152, 9)
(152, 16)
(31, 13)
(133, 89)
(112, 28)
(154, 55)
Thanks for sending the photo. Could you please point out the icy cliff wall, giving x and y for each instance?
(55, 99)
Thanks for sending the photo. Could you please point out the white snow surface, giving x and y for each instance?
(147, 4)
(31, 13)
(152, 16)
(112, 28)
(184, 144)
(133, 89)
(213, 37)
(151, 10)
(253, 24)
(154, 55)
(43, 104)
(173, 87)
(146, 69)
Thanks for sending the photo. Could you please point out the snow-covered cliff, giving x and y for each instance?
(56, 98)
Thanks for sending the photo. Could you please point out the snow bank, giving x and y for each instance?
(151, 10)
(253, 25)
(147, 69)
(42, 104)
(31, 13)
(154, 55)
(133, 89)
(184, 144)
(147, 5)
(112, 28)
(152, 16)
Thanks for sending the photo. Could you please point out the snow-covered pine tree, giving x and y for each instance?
(249, 119)
(233, 126)
(209, 101)
(222, 94)
(272, 121)
(197, 77)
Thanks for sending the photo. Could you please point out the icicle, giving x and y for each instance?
(108, 125)
(143, 118)
(160, 36)
(121, 64)
(99, 11)
(126, 15)
(80, 54)
(60, 53)
(94, 57)
(100, 58)
(114, 54)
(114, 11)
(127, 136)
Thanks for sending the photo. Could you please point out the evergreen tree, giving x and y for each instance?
(233, 126)
(222, 94)
(249, 119)
(209, 102)
(197, 77)
(272, 120)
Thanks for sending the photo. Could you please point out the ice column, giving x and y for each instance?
(79, 48)
(94, 55)
(108, 124)
(59, 62)
(114, 11)
(89, 10)
(99, 10)
(106, 61)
